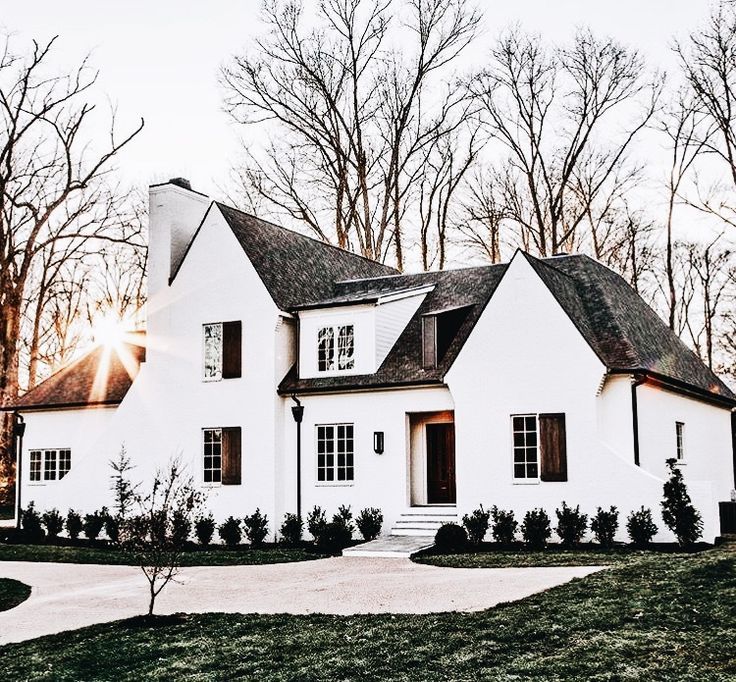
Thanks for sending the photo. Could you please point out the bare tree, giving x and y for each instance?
(350, 116)
(708, 63)
(551, 112)
(53, 190)
(151, 535)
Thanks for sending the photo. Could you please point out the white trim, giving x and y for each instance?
(336, 483)
(525, 480)
(206, 379)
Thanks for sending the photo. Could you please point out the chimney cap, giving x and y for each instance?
(181, 182)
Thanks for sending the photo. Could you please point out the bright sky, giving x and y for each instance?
(159, 59)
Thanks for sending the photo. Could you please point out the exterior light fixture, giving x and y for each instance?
(378, 442)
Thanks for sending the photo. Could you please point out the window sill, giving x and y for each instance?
(521, 481)
(336, 484)
(681, 463)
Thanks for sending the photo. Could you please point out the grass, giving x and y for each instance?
(657, 616)
(215, 556)
(12, 593)
(488, 557)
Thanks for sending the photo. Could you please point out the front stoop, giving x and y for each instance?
(390, 546)
(423, 521)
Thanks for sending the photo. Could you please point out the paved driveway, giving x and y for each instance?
(68, 596)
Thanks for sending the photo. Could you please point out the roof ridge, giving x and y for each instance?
(220, 204)
(488, 266)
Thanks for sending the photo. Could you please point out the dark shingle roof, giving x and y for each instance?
(470, 287)
(101, 377)
(296, 269)
(625, 333)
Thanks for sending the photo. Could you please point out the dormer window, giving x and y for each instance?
(438, 332)
(336, 348)
(223, 342)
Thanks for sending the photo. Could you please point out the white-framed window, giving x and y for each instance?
(212, 450)
(336, 348)
(335, 453)
(50, 464)
(222, 350)
(35, 470)
(212, 334)
(680, 440)
(525, 446)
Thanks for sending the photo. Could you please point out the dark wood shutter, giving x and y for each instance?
(552, 447)
(231, 456)
(429, 342)
(232, 345)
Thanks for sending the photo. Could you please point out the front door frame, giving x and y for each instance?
(417, 477)
(441, 490)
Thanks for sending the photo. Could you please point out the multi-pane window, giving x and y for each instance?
(65, 462)
(50, 465)
(333, 356)
(526, 451)
(346, 347)
(221, 455)
(680, 437)
(35, 472)
(222, 350)
(212, 455)
(335, 453)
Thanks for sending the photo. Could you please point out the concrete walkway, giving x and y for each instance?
(69, 596)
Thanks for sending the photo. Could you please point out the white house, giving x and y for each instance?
(520, 384)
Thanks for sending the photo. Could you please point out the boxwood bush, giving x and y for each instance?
(604, 526)
(535, 529)
(230, 532)
(571, 525)
(256, 528)
(291, 529)
(369, 522)
(641, 527)
(451, 538)
(204, 529)
(504, 526)
(476, 525)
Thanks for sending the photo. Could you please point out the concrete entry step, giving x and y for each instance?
(423, 521)
(390, 546)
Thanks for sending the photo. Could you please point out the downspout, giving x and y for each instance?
(19, 428)
(733, 444)
(297, 412)
(635, 383)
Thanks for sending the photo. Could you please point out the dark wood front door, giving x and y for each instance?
(440, 463)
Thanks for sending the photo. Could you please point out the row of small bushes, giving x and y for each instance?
(329, 535)
(536, 528)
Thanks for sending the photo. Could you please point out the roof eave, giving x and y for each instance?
(677, 386)
(59, 406)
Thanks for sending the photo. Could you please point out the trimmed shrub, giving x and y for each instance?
(678, 512)
(345, 517)
(504, 526)
(536, 529)
(53, 522)
(451, 538)
(604, 526)
(334, 536)
(256, 528)
(369, 523)
(316, 521)
(181, 527)
(30, 522)
(476, 524)
(204, 529)
(641, 528)
(73, 524)
(291, 529)
(571, 525)
(230, 532)
(93, 523)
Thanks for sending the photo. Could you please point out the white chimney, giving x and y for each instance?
(174, 214)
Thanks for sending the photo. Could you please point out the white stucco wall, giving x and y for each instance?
(380, 480)
(60, 429)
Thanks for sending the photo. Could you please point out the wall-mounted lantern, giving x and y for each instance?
(378, 442)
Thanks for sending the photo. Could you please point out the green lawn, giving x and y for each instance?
(12, 593)
(654, 617)
(217, 556)
(552, 556)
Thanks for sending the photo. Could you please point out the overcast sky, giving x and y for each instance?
(159, 59)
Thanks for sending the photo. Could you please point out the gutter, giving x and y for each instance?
(636, 381)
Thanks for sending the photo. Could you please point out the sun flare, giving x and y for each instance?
(108, 330)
